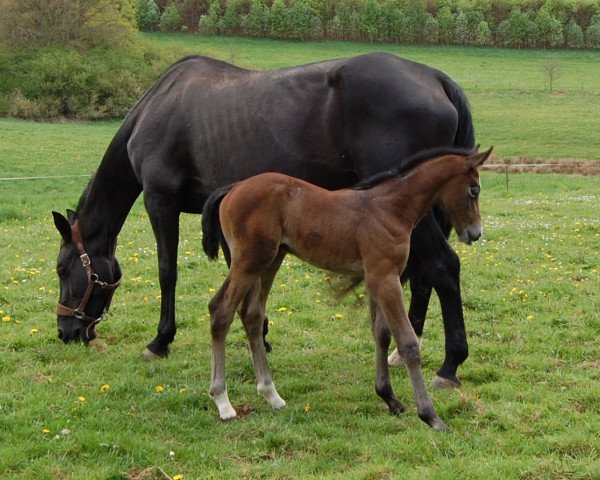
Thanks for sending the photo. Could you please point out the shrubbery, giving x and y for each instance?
(56, 82)
(529, 23)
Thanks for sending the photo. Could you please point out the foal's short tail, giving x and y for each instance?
(212, 233)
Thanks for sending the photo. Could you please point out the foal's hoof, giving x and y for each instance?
(444, 383)
(148, 355)
(439, 426)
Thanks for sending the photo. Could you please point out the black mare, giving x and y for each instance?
(206, 123)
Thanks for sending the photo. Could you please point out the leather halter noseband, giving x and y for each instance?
(93, 280)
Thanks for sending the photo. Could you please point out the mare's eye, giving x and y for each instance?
(474, 191)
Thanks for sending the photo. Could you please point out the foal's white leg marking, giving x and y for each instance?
(226, 411)
(395, 359)
(269, 392)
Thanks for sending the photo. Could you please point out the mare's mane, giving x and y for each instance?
(84, 195)
(406, 166)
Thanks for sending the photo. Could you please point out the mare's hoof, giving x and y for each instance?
(440, 427)
(444, 383)
(394, 360)
(148, 355)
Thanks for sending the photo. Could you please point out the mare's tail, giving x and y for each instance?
(465, 133)
(212, 233)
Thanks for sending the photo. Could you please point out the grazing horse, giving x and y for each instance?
(364, 231)
(206, 123)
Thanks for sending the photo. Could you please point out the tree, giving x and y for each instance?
(551, 69)
(210, 22)
(78, 23)
(446, 25)
(147, 15)
(550, 33)
(593, 33)
(170, 20)
(573, 35)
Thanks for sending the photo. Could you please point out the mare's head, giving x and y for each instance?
(460, 197)
(87, 282)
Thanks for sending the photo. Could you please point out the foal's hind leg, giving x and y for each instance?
(252, 313)
(382, 336)
(222, 310)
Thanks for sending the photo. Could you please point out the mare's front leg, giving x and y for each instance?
(382, 337)
(385, 288)
(438, 265)
(164, 216)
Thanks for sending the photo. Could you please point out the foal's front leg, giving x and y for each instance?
(386, 290)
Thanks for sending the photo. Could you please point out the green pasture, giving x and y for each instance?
(529, 407)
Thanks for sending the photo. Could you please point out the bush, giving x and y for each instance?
(593, 34)
(303, 20)
(56, 82)
(573, 35)
(258, 21)
(210, 23)
(446, 25)
(517, 30)
(170, 20)
(550, 32)
(279, 19)
(147, 15)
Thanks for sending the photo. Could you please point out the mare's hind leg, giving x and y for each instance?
(252, 313)
(419, 301)
(382, 336)
(222, 310)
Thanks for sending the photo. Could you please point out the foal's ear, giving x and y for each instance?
(63, 226)
(475, 161)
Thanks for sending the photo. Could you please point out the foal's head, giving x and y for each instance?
(460, 198)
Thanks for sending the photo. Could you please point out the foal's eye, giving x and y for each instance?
(474, 191)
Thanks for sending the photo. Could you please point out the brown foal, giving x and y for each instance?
(364, 231)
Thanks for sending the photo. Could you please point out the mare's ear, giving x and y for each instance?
(476, 160)
(63, 226)
(72, 216)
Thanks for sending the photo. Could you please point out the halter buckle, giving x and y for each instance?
(85, 260)
(78, 314)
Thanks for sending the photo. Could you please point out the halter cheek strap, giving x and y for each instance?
(93, 280)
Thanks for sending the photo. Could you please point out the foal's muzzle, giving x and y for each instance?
(471, 234)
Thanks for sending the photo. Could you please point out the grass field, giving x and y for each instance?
(529, 405)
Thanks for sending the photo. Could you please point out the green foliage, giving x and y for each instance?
(209, 23)
(170, 20)
(258, 20)
(573, 35)
(550, 32)
(593, 34)
(147, 15)
(280, 19)
(518, 30)
(304, 20)
(56, 82)
(78, 23)
(446, 24)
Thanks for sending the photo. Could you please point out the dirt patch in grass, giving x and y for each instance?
(536, 165)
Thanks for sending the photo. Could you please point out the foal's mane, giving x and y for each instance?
(405, 166)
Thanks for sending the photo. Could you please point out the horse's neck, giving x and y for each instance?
(419, 190)
(111, 195)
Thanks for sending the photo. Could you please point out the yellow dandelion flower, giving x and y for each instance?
(159, 389)
(179, 476)
(530, 317)
(282, 309)
(338, 316)
(212, 290)
(6, 318)
(105, 388)
(307, 408)
(46, 430)
(81, 399)
(33, 331)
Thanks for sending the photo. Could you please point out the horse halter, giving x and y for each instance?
(93, 280)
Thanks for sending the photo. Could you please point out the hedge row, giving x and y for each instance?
(530, 23)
